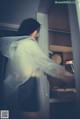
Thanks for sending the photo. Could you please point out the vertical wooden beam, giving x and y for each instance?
(75, 38)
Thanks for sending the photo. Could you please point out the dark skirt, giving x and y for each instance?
(27, 96)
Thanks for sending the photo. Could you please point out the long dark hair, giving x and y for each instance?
(28, 26)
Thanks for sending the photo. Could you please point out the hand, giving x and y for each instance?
(68, 76)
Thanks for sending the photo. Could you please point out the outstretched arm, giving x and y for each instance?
(44, 63)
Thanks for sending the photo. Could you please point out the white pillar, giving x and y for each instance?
(43, 82)
(78, 11)
(43, 39)
(75, 38)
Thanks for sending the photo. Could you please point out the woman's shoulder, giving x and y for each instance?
(27, 42)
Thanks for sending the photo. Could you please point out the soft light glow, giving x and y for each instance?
(69, 62)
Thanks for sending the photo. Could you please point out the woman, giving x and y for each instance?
(26, 63)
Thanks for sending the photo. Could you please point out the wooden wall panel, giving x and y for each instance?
(59, 39)
(58, 17)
